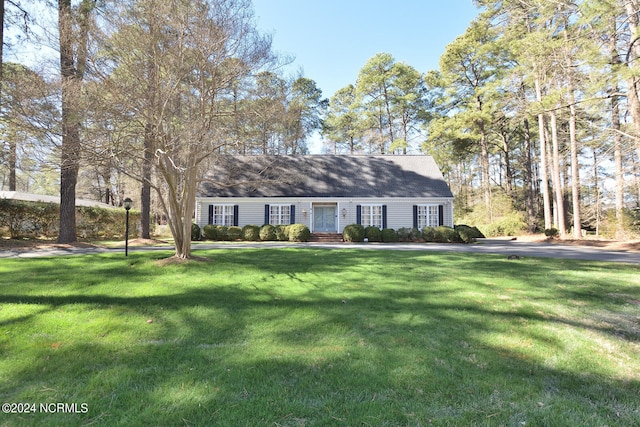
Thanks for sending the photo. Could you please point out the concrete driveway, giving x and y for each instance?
(484, 246)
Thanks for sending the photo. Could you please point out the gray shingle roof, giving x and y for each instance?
(325, 176)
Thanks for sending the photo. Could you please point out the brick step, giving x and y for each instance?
(326, 237)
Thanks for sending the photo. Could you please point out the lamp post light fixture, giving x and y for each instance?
(127, 206)
(344, 212)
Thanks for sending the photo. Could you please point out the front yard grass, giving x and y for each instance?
(320, 337)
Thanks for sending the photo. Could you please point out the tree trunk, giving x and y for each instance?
(619, 171)
(145, 193)
(632, 7)
(13, 161)
(555, 177)
(179, 213)
(508, 174)
(575, 175)
(573, 142)
(596, 184)
(12, 144)
(544, 177)
(73, 57)
(484, 160)
(531, 214)
(70, 149)
(617, 138)
(145, 203)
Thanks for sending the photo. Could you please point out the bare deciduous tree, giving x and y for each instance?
(171, 69)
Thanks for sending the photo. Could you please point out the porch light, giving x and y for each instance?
(127, 206)
(304, 213)
(344, 212)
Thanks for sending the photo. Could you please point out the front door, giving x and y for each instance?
(324, 219)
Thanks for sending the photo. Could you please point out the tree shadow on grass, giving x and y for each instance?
(406, 349)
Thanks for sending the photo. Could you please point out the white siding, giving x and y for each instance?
(251, 210)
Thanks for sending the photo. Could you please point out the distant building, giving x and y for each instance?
(30, 197)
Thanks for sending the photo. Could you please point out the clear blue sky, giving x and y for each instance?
(331, 40)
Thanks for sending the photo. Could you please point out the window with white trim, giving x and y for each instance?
(428, 216)
(371, 215)
(222, 215)
(280, 214)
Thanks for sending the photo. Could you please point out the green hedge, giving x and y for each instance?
(409, 234)
(251, 233)
(20, 219)
(254, 233)
(234, 233)
(299, 233)
(373, 234)
(468, 234)
(210, 232)
(282, 233)
(441, 234)
(389, 235)
(195, 232)
(353, 233)
(268, 233)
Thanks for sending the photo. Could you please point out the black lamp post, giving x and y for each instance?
(127, 205)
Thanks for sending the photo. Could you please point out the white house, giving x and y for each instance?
(326, 192)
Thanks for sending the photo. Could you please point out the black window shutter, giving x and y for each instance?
(440, 215)
(293, 214)
(358, 214)
(384, 216)
(267, 214)
(210, 214)
(236, 209)
(415, 216)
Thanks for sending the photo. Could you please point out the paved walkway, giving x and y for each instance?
(488, 246)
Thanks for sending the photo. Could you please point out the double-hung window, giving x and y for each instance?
(428, 216)
(280, 214)
(371, 215)
(221, 215)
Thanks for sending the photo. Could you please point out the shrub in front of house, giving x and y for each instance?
(429, 234)
(353, 233)
(251, 233)
(234, 233)
(299, 233)
(389, 235)
(403, 234)
(468, 234)
(477, 234)
(409, 234)
(441, 234)
(372, 233)
(210, 232)
(195, 231)
(447, 235)
(267, 233)
(223, 233)
(282, 233)
(465, 235)
(415, 235)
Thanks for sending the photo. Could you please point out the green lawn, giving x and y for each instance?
(319, 337)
